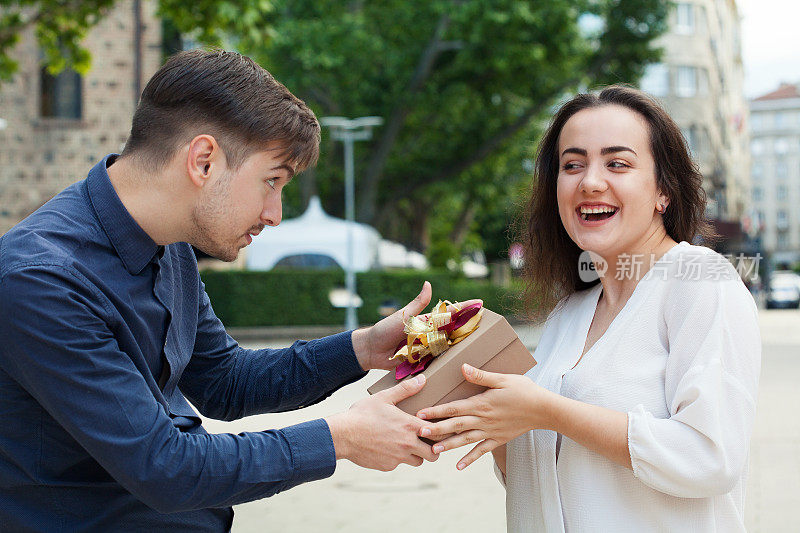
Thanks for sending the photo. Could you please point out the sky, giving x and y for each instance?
(770, 44)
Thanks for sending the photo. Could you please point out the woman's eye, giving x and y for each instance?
(570, 166)
(618, 164)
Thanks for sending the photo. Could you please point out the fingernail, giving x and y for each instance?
(421, 379)
(468, 370)
(438, 448)
(423, 416)
(425, 432)
(461, 466)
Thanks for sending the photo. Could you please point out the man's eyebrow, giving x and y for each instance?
(287, 168)
(572, 150)
(614, 149)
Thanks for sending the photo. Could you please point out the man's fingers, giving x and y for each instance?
(482, 377)
(404, 389)
(476, 452)
(423, 450)
(414, 460)
(418, 304)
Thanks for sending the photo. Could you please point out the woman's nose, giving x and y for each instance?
(593, 180)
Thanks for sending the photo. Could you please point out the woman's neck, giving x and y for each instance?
(626, 269)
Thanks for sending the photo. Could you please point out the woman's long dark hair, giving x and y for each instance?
(551, 256)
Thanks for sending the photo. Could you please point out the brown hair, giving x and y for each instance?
(227, 95)
(551, 256)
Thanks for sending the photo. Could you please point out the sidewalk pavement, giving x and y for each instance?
(437, 497)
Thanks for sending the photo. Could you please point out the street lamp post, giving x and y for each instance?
(348, 131)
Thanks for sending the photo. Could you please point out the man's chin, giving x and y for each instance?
(228, 256)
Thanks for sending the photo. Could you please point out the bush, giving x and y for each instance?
(300, 297)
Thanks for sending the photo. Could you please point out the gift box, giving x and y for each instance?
(493, 346)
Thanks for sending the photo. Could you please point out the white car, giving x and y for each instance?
(783, 290)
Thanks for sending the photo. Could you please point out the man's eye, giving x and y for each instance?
(271, 182)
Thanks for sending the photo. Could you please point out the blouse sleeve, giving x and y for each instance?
(711, 383)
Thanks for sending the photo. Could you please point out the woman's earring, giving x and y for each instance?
(661, 208)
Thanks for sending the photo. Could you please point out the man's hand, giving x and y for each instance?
(375, 434)
(374, 345)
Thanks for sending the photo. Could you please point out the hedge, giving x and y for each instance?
(300, 297)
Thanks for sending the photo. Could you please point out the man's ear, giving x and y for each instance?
(204, 158)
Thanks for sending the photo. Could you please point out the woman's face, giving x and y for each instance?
(607, 194)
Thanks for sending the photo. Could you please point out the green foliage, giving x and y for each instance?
(297, 297)
(464, 86)
(59, 26)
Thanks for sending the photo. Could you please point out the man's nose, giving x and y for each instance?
(273, 211)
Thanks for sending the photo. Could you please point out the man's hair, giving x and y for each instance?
(551, 256)
(226, 95)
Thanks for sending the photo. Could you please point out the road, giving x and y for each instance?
(436, 497)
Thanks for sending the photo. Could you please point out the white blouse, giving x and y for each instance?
(682, 358)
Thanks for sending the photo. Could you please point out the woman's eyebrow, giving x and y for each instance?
(572, 150)
(614, 149)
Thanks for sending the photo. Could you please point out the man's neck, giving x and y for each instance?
(150, 200)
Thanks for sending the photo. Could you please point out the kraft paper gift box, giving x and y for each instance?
(493, 346)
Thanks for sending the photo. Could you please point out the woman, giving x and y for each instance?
(639, 413)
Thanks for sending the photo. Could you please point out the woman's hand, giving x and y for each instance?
(512, 405)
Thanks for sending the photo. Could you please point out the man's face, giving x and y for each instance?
(235, 205)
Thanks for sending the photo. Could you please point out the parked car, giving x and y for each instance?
(783, 290)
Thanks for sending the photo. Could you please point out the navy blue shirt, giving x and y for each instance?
(104, 335)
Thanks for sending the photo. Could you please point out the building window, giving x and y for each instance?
(783, 240)
(61, 95)
(781, 146)
(756, 147)
(757, 121)
(656, 80)
(687, 81)
(781, 168)
(757, 171)
(685, 18)
(783, 219)
(781, 120)
(782, 192)
(758, 194)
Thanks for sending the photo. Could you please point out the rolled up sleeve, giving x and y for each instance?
(711, 386)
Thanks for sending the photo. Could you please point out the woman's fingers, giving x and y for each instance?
(445, 428)
(456, 441)
(448, 410)
(476, 452)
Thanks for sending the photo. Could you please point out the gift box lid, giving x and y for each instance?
(493, 334)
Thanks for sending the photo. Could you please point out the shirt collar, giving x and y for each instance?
(133, 245)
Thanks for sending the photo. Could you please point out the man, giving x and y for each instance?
(107, 331)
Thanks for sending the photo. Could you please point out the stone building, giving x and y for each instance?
(57, 127)
(775, 171)
(700, 82)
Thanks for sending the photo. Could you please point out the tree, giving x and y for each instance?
(464, 87)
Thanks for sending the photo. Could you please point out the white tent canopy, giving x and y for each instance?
(314, 232)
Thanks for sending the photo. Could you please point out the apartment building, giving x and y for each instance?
(700, 83)
(57, 127)
(775, 171)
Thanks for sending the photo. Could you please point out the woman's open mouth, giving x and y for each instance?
(596, 214)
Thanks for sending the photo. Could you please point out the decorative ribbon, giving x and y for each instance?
(429, 335)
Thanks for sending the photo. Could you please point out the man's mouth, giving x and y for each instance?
(596, 213)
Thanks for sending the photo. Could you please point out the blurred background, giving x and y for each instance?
(431, 115)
